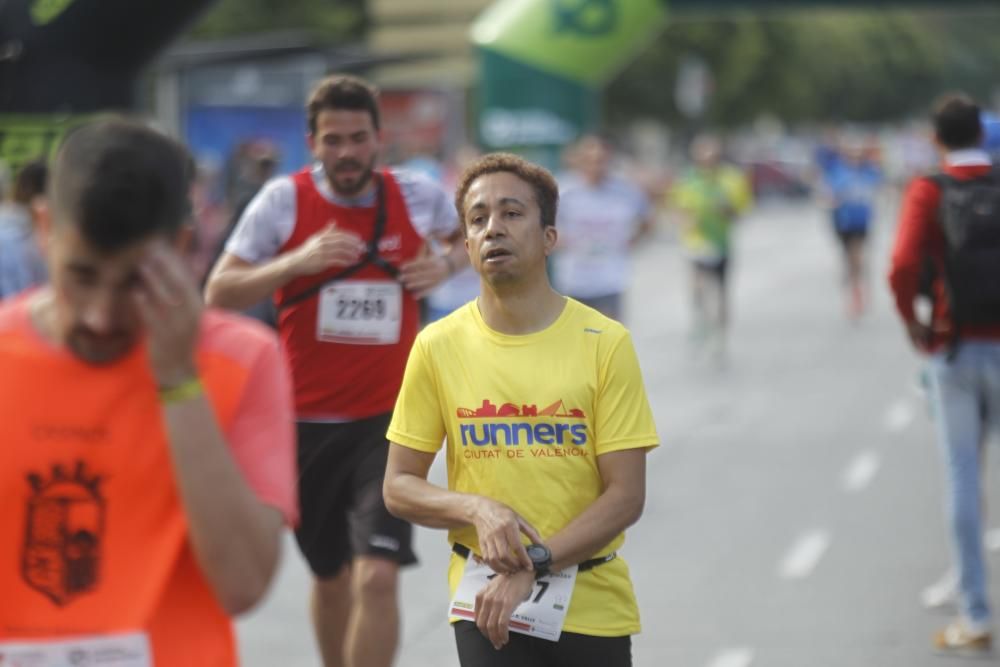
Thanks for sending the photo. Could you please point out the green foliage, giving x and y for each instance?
(334, 19)
(853, 66)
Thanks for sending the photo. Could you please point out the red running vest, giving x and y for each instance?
(337, 381)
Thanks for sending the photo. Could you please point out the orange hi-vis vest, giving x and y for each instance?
(93, 536)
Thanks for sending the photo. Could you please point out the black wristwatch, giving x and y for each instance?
(541, 559)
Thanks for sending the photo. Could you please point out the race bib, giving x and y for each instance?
(126, 650)
(360, 313)
(542, 615)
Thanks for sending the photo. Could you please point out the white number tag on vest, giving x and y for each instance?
(125, 650)
(542, 615)
(360, 312)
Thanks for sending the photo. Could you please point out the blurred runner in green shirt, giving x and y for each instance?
(709, 198)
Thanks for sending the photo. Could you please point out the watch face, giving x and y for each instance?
(538, 553)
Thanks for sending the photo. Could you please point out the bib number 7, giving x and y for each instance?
(540, 584)
(542, 615)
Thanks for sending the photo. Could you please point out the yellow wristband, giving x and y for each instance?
(185, 391)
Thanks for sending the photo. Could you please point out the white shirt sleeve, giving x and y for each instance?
(266, 224)
(431, 211)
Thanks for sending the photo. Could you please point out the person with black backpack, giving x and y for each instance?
(949, 229)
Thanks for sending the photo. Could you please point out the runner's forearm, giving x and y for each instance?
(643, 230)
(418, 501)
(238, 285)
(234, 536)
(615, 510)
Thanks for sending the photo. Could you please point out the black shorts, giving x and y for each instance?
(342, 514)
(846, 237)
(848, 234)
(716, 269)
(572, 650)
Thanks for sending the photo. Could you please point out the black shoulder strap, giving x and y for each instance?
(941, 179)
(371, 256)
(944, 179)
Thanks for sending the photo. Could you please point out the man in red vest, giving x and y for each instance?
(346, 251)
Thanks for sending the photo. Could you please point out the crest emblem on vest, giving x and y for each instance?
(64, 529)
(392, 243)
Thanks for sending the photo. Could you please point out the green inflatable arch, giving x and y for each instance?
(543, 63)
(63, 60)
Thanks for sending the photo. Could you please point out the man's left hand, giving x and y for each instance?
(170, 307)
(498, 600)
(423, 274)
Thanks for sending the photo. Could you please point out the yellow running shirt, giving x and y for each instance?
(526, 418)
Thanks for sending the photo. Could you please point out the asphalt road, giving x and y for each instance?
(794, 512)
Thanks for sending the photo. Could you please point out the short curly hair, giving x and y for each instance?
(341, 92)
(541, 181)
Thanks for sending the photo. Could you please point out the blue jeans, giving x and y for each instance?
(965, 395)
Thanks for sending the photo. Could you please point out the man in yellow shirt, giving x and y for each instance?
(547, 423)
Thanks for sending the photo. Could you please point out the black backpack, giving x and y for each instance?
(970, 219)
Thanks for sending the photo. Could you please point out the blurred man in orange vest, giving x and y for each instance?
(148, 460)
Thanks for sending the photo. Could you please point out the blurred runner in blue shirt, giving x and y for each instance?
(21, 265)
(852, 187)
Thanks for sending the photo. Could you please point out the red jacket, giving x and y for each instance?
(919, 236)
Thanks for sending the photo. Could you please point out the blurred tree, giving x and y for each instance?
(334, 19)
(835, 65)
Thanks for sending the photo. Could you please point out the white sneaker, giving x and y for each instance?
(942, 594)
(965, 640)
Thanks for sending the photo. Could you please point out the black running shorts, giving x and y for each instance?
(342, 514)
(846, 238)
(717, 269)
(572, 650)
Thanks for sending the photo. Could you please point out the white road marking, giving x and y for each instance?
(992, 539)
(860, 471)
(899, 416)
(736, 657)
(804, 555)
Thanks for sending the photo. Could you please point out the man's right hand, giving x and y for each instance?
(499, 529)
(327, 248)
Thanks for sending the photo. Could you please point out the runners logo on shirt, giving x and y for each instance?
(64, 530)
(567, 428)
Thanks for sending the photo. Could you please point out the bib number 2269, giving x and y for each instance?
(360, 313)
